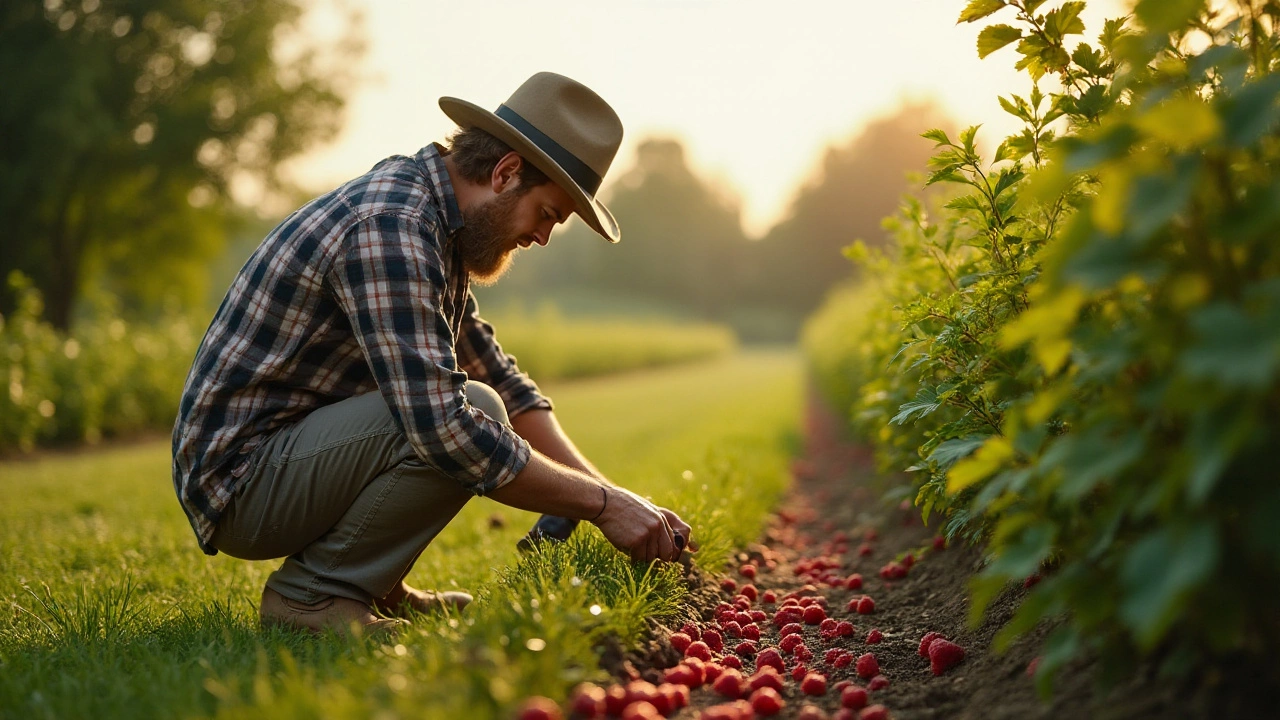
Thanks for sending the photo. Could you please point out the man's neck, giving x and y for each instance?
(463, 190)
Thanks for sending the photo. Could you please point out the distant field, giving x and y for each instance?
(110, 610)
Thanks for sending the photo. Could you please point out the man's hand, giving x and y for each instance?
(638, 527)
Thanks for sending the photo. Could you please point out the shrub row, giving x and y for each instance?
(1078, 356)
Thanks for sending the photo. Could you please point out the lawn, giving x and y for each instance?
(112, 611)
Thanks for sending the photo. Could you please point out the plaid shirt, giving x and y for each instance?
(361, 289)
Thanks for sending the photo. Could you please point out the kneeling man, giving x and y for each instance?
(347, 399)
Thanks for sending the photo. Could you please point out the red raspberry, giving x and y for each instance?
(866, 605)
(845, 660)
(746, 648)
(790, 642)
(615, 699)
(699, 650)
(840, 686)
(828, 625)
(811, 712)
(728, 585)
(698, 668)
(758, 616)
(874, 712)
(539, 708)
(751, 631)
(732, 628)
(750, 592)
(853, 697)
(814, 684)
(731, 661)
(681, 642)
(713, 640)
(831, 655)
(943, 655)
(587, 700)
(677, 695)
(854, 581)
(814, 614)
(770, 657)
(928, 638)
(766, 701)
(798, 672)
(641, 710)
(682, 675)
(878, 682)
(874, 637)
(864, 550)
(710, 671)
(769, 597)
(802, 653)
(939, 543)
(691, 630)
(730, 684)
(748, 570)
(792, 629)
(908, 560)
(765, 677)
(664, 702)
(641, 691)
(867, 666)
(844, 629)
(844, 714)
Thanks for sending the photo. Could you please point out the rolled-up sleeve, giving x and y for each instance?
(483, 359)
(389, 282)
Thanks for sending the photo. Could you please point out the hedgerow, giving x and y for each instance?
(1078, 357)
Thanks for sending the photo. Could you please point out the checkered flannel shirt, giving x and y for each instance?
(362, 289)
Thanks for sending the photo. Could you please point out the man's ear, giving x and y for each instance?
(506, 173)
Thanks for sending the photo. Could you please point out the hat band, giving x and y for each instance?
(578, 171)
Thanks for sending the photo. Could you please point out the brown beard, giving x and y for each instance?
(485, 237)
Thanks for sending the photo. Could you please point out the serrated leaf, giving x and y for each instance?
(937, 135)
(988, 459)
(1181, 122)
(978, 9)
(926, 402)
(994, 37)
(952, 451)
(1165, 16)
(1065, 20)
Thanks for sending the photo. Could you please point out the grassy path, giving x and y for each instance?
(109, 609)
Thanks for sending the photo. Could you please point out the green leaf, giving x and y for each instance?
(1233, 349)
(1166, 16)
(1160, 572)
(1252, 112)
(926, 402)
(1090, 60)
(967, 138)
(978, 9)
(938, 136)
(994, 37)
(1008, 178)
(1065, 20)
(949, 452)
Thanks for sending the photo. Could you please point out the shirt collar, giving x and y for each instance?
(431, 159)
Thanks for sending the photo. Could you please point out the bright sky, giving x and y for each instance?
(755, 89)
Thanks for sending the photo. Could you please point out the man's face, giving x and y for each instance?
(508, 221)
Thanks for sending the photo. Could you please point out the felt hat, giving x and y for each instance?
(564, 129)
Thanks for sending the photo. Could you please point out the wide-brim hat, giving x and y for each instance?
(564, 129)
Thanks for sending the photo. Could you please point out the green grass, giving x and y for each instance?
(110, 610)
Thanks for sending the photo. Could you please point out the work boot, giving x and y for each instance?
(405, 599)
(343, 615)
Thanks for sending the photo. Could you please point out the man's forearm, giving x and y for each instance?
(546, 486)
(543, 432)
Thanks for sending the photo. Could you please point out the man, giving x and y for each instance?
(347, 399)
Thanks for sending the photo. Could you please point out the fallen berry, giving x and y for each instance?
(587, 700)
(766, 701)
(844, 661)
(828, 625)
(642, 710)
(729, 684)
(691, 630)
(864, 550)
(758, 616)
(908, 560)
(641, 691)
(747, 571)
(810, 712)
(867, 666)
(746, 648)
(765, 677)
(790, 642)
(751, 631)
(539, 708)
(943, 655)
(731, 628)
(731, 661)
(854, 581)
(770, 657)
(698, 649)
(802, 653)
(712, 640)
(929, 637)
(831, 655)
(769, 597)
(840, 686)
(791, 629)
(874, 637)
(681, 642)
(853, 697)
(844, 629)
(814, 684)
(798, 672)
(893, 571)
(728, 585)
(874, 712)
(742, 618)
(844, 714)
(710, 671)
(677, 696)
(814, 614)
(727, 711)
(878, 682)
(866, 605)
(682, 675)
(939, 543)
(615, 699)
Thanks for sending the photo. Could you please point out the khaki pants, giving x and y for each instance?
(343, 495)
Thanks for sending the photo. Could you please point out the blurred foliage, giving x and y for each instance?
(1080, 358)
(126, 122)
(684, 248)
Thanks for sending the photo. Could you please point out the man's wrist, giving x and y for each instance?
(604, 504)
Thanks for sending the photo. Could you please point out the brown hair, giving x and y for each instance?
(476, 152)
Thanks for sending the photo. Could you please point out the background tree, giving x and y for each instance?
(125, 124)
